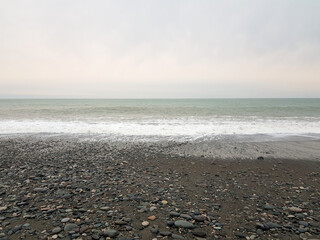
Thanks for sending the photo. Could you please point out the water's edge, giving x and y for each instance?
(228, 148)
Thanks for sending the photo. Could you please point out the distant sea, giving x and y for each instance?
(155, 119)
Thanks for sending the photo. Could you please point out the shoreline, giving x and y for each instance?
(57, 188)
(229, 147)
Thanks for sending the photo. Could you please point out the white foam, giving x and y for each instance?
(191, 128)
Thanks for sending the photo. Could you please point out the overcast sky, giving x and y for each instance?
(159, 48)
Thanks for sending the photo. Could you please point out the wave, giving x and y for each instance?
(171, 128)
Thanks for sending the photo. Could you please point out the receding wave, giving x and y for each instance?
(170, 128)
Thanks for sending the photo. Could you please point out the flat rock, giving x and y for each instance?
(56, 230)
(239, 235)
(145, 223)
(3, 208)
(165, 233)
(105, 208)
(154, 230)
(269, 207)
(174, 214)
(64, 220)
(40, 190)
(120, 222)
(272, 225)
(295, 209)
(70, 227)
(199, 234)
(152, 218)
(176, 236)
(186, 216)
(184, 224)
(200, 218)
(111, 233)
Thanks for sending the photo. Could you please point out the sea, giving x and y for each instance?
(159, 119)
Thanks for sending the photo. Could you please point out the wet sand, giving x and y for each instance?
(68, 188)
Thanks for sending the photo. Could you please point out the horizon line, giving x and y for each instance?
(161, 98)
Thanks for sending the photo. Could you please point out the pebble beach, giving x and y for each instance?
(65, 188)
(159, 120)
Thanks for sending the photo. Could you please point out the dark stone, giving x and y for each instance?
(174, 214)
(176, 236)
(200, 218)
(272, 225)
(170, 223)
(239, 235)
(184, 224)
(269, 207)
(70, 226)
(110, 233)
(199, 234)
(120, 222)
(165, 233)
(154, 230)
(56, 230)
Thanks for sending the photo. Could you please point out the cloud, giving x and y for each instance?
(159, 48)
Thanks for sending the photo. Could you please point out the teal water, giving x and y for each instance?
(193, 118)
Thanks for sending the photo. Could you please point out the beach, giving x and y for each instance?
(159, 169)
(159, 120)
(59, 187)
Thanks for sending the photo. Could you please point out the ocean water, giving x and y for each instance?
(175, 119)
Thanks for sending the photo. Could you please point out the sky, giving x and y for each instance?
(159, 48)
